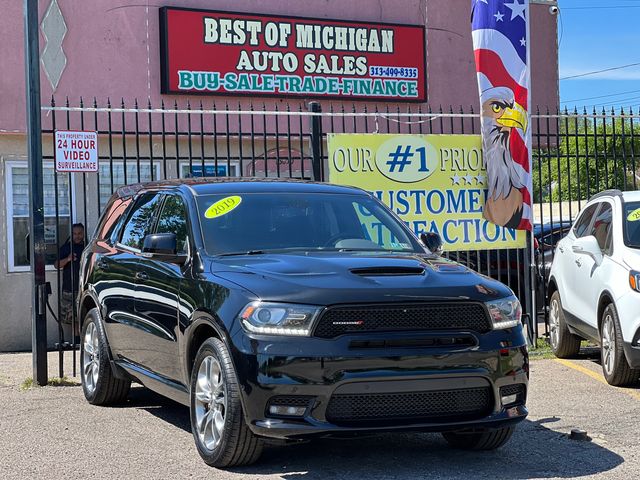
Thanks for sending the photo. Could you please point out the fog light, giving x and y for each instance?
(512, 395)
(287, 411)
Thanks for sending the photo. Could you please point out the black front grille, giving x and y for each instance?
(411, 407)
(337, 321)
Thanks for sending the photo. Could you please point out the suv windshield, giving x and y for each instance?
(260, 222)
(631, 222)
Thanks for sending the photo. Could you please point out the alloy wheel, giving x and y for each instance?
(210, 403)
(91, 358)
(554, 323)
(608, 344)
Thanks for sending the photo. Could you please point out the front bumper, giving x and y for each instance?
(320, 370)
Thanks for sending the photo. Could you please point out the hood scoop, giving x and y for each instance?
(387, 271)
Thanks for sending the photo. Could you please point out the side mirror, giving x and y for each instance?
(163, 247)
(433, 242)
(588, 246)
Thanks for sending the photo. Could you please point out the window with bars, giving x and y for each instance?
(112, 177)
(56, 210)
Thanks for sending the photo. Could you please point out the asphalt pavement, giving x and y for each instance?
(52, 432)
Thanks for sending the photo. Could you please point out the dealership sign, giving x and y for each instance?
(76, 151)
(212, 52)
(434, 183)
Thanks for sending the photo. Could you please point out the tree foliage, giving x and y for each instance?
(593, 154)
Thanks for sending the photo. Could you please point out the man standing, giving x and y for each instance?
(69, 262)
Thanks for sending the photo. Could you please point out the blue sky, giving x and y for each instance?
(595, 38)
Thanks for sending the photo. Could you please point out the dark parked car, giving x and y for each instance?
(547, 236)
(288, 310)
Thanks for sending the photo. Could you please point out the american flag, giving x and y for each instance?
(499, 30)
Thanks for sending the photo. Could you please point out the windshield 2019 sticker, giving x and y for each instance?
(634, 216)
(222, 207)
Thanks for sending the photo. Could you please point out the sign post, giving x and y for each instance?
(36, 197)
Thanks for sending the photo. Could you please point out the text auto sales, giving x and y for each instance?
(322, 67)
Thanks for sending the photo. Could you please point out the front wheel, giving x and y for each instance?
(217, 421)
(479, 440)
(615, 367)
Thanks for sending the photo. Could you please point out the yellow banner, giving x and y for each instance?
(435, 183)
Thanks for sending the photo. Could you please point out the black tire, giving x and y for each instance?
(564, 344)
(617, 371)
(237, 445)
(103, 388)
(482, 440)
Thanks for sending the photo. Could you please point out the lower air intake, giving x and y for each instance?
(410, 407)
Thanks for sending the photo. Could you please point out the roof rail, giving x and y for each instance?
(614, 192)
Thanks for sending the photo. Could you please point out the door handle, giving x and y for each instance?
(142, 276)
(561, 248)
(579, 262)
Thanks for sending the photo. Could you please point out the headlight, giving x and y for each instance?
(504, 313)
(279, 318)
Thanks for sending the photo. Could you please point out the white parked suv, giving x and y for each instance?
(594, 285)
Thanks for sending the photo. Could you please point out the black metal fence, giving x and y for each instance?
(575, 155)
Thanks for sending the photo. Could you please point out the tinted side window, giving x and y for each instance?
(173, 219)
(139, 221)
(580, 228)
(602, 225)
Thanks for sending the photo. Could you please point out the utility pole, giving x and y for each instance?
(36, 198)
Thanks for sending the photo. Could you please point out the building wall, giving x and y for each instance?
(112, 51)
(112, 48)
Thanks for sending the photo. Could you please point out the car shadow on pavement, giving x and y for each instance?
(159, 406)
(535, 451)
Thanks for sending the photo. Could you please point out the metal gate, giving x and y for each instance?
(575, 155)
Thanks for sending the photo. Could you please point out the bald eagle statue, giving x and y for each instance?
(501, 116)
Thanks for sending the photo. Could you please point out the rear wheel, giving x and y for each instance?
(563, 343)
(99, 384)
(479, 440)
(615, 367)
(222, 437)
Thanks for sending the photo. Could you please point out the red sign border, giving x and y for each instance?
(164, 59)
(55, 160)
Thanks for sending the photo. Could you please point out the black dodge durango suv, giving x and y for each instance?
(287, 310)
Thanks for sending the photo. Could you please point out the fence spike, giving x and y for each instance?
(81, 102)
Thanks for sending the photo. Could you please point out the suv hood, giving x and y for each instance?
(326, 278)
